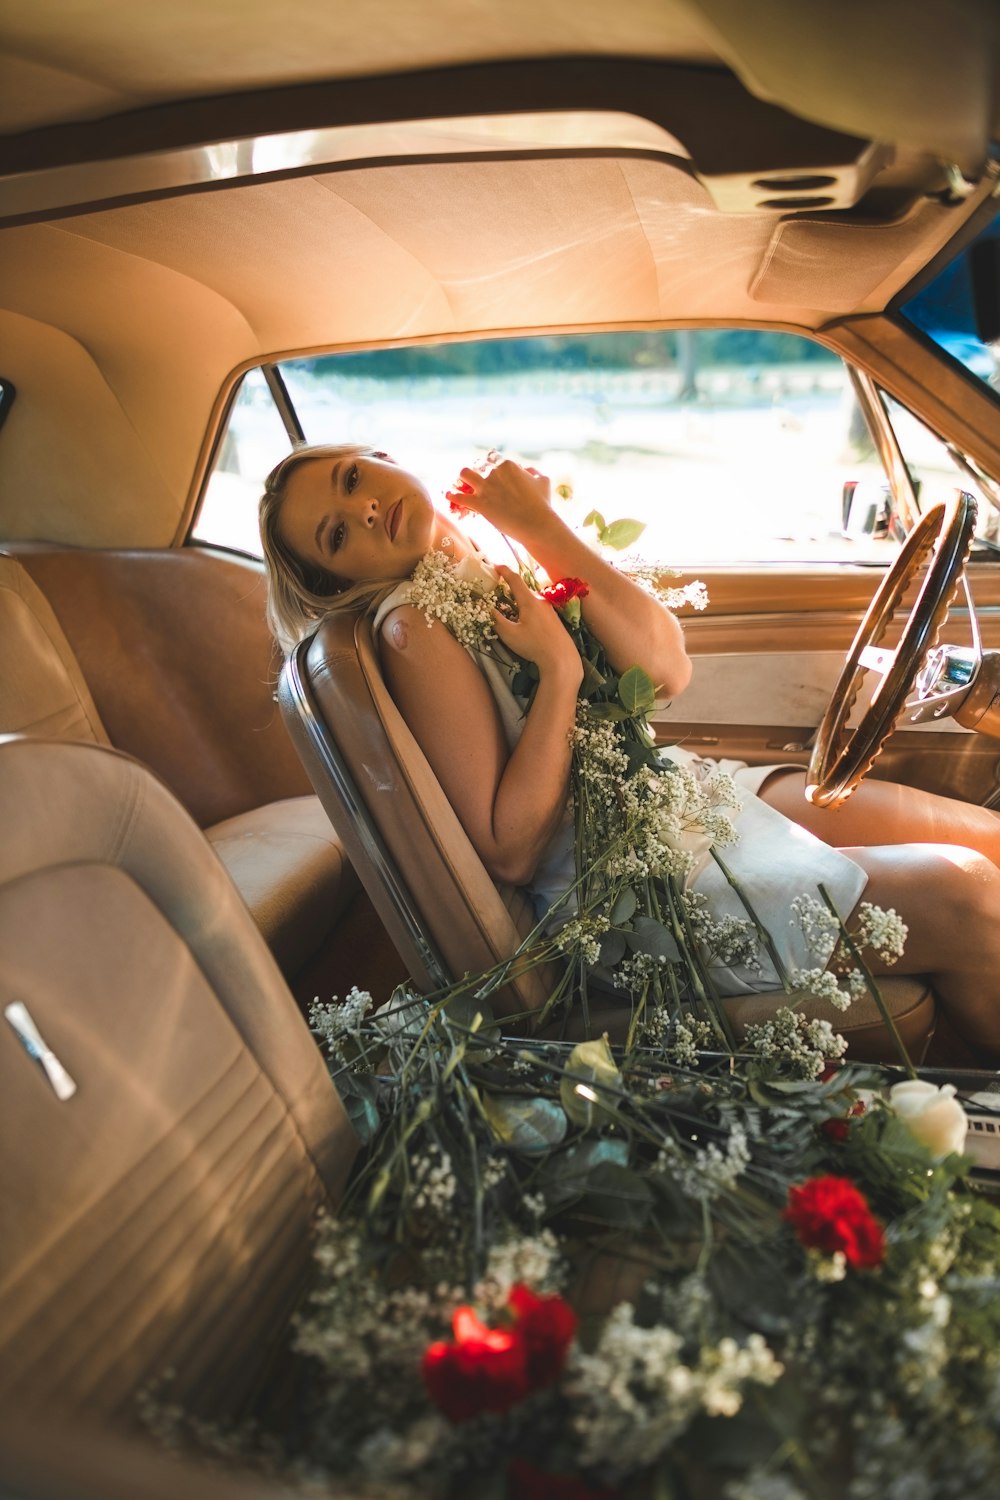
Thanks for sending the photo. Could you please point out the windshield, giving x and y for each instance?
(957, 311)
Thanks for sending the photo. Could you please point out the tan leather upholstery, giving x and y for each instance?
(332, 694)
(910, 1002)
(284, 857)
(468, 923)
(158, 1218)
(42, 690)
(289, 866)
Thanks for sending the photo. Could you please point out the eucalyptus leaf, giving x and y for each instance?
(617, 1195)
(590, 1070)
(639, 756)
(524, 682)
(531, 1125)
(594, 519)
(358, 1094)
(621, 534)
(564, 1177)
(463, 1010)
(625, 904)
(613, 948)
(650, 936)
(608, 711)
(636, 692)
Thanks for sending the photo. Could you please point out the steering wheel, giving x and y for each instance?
(840, 760)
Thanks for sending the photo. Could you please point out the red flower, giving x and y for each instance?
(525, 1482)
(838, 1128)
(547, 1326)
(485, 1369)
(830, 1214)
(559, 594)
(491, 1369)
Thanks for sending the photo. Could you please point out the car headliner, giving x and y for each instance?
(414, 213)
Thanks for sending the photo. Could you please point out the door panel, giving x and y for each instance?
(767, 654)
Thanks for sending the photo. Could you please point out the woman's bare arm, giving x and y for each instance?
(509, 804)
(634, 628)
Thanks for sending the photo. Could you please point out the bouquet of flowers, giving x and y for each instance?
(672, 1268)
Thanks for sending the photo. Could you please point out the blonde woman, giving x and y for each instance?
(345, 526)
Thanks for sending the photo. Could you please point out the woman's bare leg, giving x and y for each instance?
(949, 898)
(881, 812)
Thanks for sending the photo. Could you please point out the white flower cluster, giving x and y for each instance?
(433, 1185)
(655, 821)
(730, 940)
(443, 594)
(533, 1259)
(805, 1045)
(704, 1174)
(340, 1022)
(581, 938)
(820, 928)
(825, 986)
(687, 1038)
(648, 576)
(634, 1395)
(882, 930)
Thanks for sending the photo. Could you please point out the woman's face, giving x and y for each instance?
(360, 518)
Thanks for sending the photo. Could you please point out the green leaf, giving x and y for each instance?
(636, 692)
(621, 534)
(463, 1010)
(592, 680)
(358, 1094)
(524, 681)
(590, 1070)
(617, 1195)
(594, 519)
(613, 947)
(639, 756)
(625, 904)
(650, 936)
(564, 1177)
(528, 1125)
(608, 711)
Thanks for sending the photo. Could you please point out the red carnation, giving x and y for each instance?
(547, 1326)
(485, 1369)
(559, 594)
(830, 1214)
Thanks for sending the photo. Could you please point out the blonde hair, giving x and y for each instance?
(300, 593)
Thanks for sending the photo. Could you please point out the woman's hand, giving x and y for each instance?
(538, 634)
(515, 499)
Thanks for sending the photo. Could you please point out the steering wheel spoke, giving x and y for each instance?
(840, 760)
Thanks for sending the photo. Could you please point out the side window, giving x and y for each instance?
(937, 471)
(253, 442)
(730, 445)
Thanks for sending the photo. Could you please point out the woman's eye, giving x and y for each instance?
(351, 479)
(337, 537)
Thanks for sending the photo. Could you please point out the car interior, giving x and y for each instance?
(200, 839)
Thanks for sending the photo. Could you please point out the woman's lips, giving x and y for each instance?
(392, 519)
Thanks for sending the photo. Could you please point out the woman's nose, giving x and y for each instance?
(369, 511)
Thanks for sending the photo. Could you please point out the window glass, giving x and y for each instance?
(731, 445)
(254, 441)
(960, 309)
(937, 474)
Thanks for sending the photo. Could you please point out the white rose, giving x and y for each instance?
(932, 1114)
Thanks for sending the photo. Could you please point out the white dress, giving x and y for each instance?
(774, 861)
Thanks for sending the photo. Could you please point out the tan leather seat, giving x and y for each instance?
(437, 901)
(159, 1218)
(284, 858)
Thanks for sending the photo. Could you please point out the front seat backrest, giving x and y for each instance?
(160, 1217)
